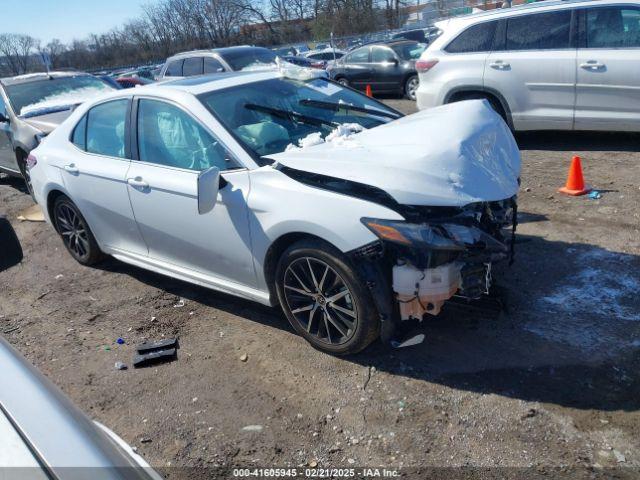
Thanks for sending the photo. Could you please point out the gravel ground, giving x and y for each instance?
(548, 387)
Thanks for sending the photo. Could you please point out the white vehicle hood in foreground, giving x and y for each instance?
(451, 155)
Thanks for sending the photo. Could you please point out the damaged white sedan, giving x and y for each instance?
(298, 192)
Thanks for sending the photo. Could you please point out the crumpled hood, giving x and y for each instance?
(47, 123)
(451, 155)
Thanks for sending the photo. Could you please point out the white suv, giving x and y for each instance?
(556, 65)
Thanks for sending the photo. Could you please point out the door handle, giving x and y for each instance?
(500, 65)
(71, 168)
(137, 182)
(592, 65)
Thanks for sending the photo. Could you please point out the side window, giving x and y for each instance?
(613, 27)
(192, 66)
(477, 38)
(212, 65)
(79, 137)
(361, 55)
(542, 31)
(105, 128)
(382, 55)
(169, 136)
(174, 69)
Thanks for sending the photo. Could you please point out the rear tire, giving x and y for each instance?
(324, 300)
(75, 232)
(343, 81)
(411, 86)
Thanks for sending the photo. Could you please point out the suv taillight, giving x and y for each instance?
(31, 161)
(423, 66)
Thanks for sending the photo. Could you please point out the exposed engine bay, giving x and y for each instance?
(441, 252)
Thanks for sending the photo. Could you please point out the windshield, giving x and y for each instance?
(242, 59)
(53, 94)
(409, 51)
(269, 116)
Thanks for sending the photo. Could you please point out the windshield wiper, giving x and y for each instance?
(318, 122)
(345, 106)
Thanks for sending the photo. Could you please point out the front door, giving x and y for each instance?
(535, 70)
(608, 87)
(95, 177)
(386, 71)
(7, 157)
(357, 68)
(173, 148)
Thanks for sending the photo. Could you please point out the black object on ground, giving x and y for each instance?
(157, 345)
(154, 357)
(9, 245)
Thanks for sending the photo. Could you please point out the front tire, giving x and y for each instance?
(324, 300)
(343, 81)
(75, 232)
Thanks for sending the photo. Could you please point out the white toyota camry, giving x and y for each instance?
(288, 189)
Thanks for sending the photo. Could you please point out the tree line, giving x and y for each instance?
(169, 26)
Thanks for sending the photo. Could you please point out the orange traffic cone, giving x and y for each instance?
(368, 92)
(575, 182)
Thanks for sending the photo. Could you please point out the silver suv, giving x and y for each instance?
(554, 65)
(217, 60)
(31, 106)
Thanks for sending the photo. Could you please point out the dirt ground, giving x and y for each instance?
(550, 386)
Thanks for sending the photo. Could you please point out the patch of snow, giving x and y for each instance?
(65, 98)
(341, 136)
(591, 309)
(296, 72)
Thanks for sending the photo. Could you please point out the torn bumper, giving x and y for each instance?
(435, 254)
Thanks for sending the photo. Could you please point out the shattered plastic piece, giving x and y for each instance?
(120, 341)
(154, 357)
(595, 195)
(31, 214)
(252, 428)
(157, 345)
(120, 366)
(180, 303)
(409, 342)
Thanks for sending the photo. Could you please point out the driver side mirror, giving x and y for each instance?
(208, 186)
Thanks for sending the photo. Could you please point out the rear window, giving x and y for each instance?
(409, 51)
(477, 38)
(613, 27)
(211, 65)
(542, 31)
(174, 69)
(240, 59)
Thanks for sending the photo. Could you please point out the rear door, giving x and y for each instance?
(173, 148)
(533, 66)
(95, 176)
(608, 86)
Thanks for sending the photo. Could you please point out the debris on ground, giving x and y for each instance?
(244, 357)
(595, 195)
(31, 214)
(120, 366)
(120, 341)
(157, 345)
(179, 304)
(152, 358)
(252, 428)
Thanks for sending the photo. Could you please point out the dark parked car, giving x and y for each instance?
(300, 61)
(130, 82)
(423, 35)
(31, 106)
(217, 60)
(388, 67)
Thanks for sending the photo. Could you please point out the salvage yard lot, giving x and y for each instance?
(553, 381)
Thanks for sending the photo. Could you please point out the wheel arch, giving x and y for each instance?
(52, 196)
(460, 92)
(275, 251)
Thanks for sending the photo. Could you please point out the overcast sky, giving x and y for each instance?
(66, 19)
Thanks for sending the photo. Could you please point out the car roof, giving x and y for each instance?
(220, 51)
(542, 6)
(35, 77)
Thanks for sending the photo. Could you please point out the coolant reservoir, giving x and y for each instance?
(424, 291)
